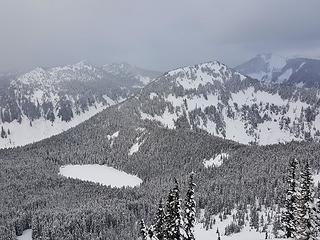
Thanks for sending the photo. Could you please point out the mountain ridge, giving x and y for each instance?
(299, 71)
(46, 101)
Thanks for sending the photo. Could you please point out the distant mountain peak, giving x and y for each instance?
(204, 73)
(127, 70)
(273, 68)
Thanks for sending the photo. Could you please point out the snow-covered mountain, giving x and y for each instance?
(195, 102)
(45, 102)
(225, 103)
(127, 71)
(276, 69)
(262, 66)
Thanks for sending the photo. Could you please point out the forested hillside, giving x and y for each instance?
(33, 194)
(46, 101)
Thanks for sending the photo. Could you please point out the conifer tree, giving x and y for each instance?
(179, 232)
(174, 223)
(190, 210)
(305, 222)
(143, 230)
(289, 217)
(159, 226)
(170, 216)
(317, 217)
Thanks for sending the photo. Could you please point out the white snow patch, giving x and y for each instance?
(26, 235)
(112, 137)
(108, 99)
(134, 148)
(107, 176)
(23, 133)
(145, 80)
(217, 161)
(285, 76)
(167, 118)
(153, 95)
(245, 234)
(276, 62)
(301, 65)
(192, 76)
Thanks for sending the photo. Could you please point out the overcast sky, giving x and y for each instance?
(156, 34)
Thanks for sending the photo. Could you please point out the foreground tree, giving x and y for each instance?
(174, 224)
(143, 230)
(169, 222)
(190, 210)
(159, 226)
(305, 223)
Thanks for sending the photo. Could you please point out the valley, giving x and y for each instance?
(184, 121)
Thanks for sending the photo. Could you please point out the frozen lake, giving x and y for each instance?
(26, 235)
(100, 174)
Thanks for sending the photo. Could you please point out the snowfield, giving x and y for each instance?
(107, 176)
(247, 233)
(24, 133)
(217, 161)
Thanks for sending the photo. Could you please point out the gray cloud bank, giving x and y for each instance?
(159, 34)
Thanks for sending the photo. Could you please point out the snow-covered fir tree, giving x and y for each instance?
(190, 209)
(143, 230)
(174, 221)
(159, 226)
(306, 216)
(317, 217)
(289, 216)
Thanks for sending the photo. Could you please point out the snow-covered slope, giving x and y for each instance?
(225, 103)
(45, 102)
(262, 66)
(239, 225)
(276, 69)
(127, 71)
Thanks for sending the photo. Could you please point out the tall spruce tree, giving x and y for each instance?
(174, 222)
(306, 219)
(170, 216)
(179, 232)
(143, 230)
(317, 217)
(159, 227)
(289, 217)
(190, 209)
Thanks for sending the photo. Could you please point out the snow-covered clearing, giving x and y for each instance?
(246, 233)
(217, 161)
(112, 137)
(107, 176)
(135, 148)
(26, 235)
